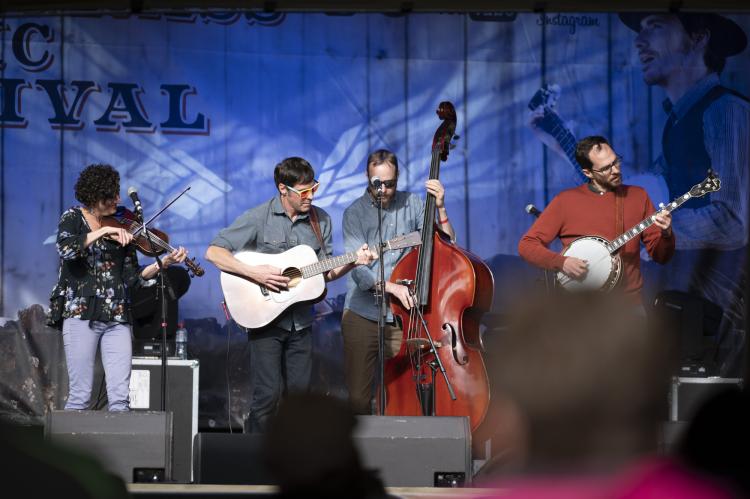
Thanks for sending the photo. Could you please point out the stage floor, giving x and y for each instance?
(194, 491)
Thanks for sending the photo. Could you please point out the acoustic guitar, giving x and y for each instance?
(253, 306)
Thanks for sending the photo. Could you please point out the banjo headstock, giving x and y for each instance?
(710, 184)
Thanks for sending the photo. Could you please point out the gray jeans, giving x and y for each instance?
(81, 342)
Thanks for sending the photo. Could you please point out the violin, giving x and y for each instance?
(126, 219)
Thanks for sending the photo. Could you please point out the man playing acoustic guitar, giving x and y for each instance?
(593, 209)
(280, 353)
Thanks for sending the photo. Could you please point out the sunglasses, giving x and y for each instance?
(389, 184)
(305, 193)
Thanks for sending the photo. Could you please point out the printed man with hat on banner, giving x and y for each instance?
(707, 126)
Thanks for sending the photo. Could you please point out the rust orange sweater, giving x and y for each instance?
(581, 212)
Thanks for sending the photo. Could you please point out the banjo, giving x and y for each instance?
(604, 264)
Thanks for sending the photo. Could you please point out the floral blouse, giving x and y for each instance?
(93, 281)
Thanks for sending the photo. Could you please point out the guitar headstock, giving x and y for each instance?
(708, 185)
(405, 241)
(441, 141)
(546, 98)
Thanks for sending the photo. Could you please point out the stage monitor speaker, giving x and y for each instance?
(416, 451)
(230, 458)
(688, 394)
(182, 402)
(137, 446)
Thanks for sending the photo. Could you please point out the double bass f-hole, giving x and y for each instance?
(457, 347)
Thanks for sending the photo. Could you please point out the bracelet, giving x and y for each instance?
(443, 221)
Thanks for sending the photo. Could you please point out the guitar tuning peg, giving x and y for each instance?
(456, 137)
(661, 206)
(451, 146)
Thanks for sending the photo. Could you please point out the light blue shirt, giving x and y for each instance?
(404, 214)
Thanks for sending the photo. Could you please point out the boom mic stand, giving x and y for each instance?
(380, 294)
(164, 285)
(548, 282)
(428, 406)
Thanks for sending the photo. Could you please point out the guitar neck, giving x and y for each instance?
(329, 263)
(636, 230)
(553, 125)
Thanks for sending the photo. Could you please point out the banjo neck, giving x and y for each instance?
(644, 224)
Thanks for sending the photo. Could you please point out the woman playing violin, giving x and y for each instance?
(98, 266)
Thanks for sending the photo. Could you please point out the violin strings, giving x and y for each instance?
(133, 226)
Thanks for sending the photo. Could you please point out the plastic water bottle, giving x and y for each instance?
(180, 338)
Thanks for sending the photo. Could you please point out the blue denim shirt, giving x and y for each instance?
(404, 214)
(268, 229)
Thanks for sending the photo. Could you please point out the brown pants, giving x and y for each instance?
(361, 355)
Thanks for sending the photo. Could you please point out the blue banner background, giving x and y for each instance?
(249, 90)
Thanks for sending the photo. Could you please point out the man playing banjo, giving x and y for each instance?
(600, 209)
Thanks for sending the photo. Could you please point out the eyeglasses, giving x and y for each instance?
(389, 184)
(605, 169)
(305, 193)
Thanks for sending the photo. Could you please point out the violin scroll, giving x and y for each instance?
(194, 267)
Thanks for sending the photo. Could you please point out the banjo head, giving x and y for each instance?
(604, 269)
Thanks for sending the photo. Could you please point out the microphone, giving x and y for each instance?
(137, 202)
(378, 185)
(533, 210)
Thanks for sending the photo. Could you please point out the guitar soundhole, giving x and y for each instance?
(294, 275)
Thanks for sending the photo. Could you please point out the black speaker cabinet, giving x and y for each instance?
(688, 394)
(137, 446)
(416, 451)
(230, 458)
(182, 402)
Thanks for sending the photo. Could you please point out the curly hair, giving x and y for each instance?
(97, 183)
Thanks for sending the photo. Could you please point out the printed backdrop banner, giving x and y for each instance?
(213, 102)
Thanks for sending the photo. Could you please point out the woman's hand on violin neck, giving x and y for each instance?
(177, 256)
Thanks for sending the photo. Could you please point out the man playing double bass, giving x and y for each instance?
(591, 210)
(403, 212)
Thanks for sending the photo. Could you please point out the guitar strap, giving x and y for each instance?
(620, 211)
(315, 224)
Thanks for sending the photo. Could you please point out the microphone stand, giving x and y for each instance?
(380, 294)
(547, 289)
(164, 284)
(434, 365)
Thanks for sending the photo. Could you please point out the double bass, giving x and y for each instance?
(452, 289)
